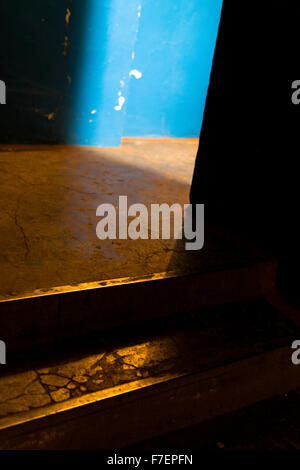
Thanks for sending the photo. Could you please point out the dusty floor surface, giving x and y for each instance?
(48, 201)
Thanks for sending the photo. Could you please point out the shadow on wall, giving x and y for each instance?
(41, 63)
(35, 65)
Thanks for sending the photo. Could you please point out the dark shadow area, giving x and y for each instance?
(246, 168)
(241, 323)
(271, 425)
(42, 47)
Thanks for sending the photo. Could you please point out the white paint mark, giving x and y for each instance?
(121, 103)
(91, 120)
(136, 73)
(94, 111)
(133, 55)
(120, 93)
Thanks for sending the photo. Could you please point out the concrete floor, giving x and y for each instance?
(48, 202)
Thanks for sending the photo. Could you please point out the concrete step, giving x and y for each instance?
(57, 279)
(136, 384)
(226, 270)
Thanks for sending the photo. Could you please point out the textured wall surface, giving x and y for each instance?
(89, 72)
(33, 64)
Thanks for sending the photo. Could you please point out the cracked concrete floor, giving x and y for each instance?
(39, 387)
(48, 202)
(200, 341)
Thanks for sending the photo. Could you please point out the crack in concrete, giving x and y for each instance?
(20, 227)
(45, 388)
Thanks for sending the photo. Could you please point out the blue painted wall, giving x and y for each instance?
(103, 57)
(174, 51)
(67, 63)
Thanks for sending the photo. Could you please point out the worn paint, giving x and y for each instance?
(104, 55)
(136, 74)
(68, 15)
(66, 45)
(50, 116)
(70, 57)
(121, 101)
